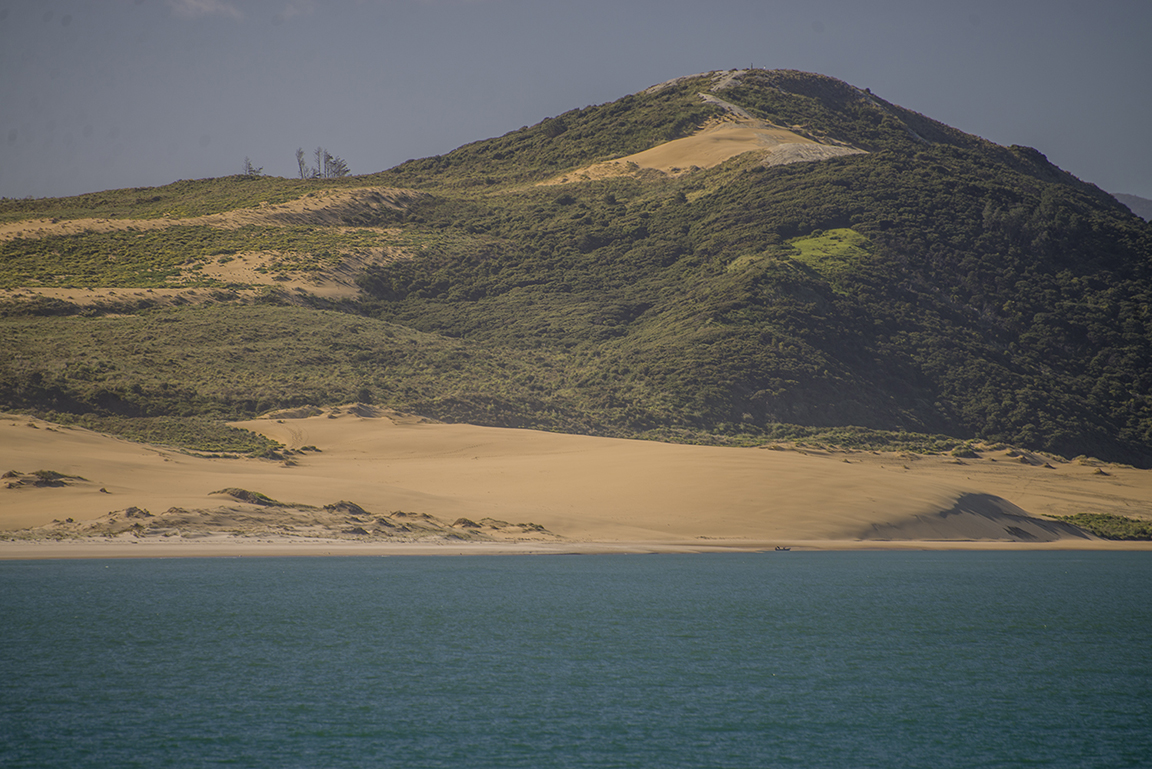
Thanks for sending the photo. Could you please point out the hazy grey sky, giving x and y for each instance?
(101, 94)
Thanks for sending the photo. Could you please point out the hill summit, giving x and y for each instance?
(733, 256)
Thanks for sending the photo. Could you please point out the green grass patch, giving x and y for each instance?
(833, 253)
(1108, 526)
(191, 433)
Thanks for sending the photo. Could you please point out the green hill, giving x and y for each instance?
(933, 283)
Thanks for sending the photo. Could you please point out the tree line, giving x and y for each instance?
(328, 166)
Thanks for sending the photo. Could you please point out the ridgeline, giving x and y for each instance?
(856, 273)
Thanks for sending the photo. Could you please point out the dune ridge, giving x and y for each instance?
(474, 489)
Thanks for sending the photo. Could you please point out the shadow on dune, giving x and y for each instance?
(977, 517)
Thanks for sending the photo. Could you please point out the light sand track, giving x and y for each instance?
(321, 208)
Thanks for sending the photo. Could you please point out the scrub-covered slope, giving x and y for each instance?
(732, 254)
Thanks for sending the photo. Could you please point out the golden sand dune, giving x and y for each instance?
(564, 492)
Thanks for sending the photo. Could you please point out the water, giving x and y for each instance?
(871, 659)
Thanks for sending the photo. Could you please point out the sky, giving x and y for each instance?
(107, 94)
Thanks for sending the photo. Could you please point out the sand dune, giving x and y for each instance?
(568, 492)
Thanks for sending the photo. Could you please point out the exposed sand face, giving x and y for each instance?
(711, 146)
(335, 282)
(717, 143)
(736, 133)
(586, 493)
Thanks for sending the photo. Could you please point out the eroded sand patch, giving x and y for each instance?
(716, 142)
(333, 278)
(241, 276)
(328, 208)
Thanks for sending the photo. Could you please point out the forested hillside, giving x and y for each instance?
(931, 283)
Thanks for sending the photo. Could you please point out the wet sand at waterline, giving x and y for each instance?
(411, 486)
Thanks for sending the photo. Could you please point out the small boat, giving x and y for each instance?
(782, 549)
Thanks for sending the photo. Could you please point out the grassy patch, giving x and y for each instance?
(833, 254)
(170, 256)
(820, 438)
(180, 200)
(192, 433)
(1108, 526)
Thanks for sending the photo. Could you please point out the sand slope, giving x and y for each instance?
(579, 489)
(736, 133)
(719, 141)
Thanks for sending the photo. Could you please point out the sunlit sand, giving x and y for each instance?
(546, 492)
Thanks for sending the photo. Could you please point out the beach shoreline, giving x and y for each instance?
(272, 548)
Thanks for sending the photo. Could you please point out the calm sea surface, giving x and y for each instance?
(871, 659)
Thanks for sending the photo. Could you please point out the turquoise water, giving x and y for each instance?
(871, 659)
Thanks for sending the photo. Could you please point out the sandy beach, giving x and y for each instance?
(359, 480)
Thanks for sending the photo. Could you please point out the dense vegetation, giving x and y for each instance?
(938, 285)
(1108, 526)
(203, 434)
